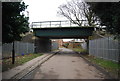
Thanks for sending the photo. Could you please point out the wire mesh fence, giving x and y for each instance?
(55, 46)
(105, 48)
(20, 49)
(84, 45)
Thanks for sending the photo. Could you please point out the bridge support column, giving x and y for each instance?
(42, 45)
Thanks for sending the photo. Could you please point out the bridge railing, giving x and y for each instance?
(52, 24)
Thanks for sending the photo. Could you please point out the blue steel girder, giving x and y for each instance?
(64, 32)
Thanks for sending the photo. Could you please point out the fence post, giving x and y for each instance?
(70, 24)
(60, 24)
(13, 54)
(50, 23)
(87, 45)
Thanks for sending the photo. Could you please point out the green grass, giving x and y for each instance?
(7, 63)
(79, 50)
(110, 66)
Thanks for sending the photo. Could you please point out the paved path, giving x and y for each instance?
(65, 65)
(21, 70)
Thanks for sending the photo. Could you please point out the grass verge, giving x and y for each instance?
(19, 60)
(112, 67)
(79, 50)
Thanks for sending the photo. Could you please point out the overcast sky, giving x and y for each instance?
(44, 10)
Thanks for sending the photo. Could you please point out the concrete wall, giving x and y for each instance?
(42, 45)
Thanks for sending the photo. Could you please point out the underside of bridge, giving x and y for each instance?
(43, 43)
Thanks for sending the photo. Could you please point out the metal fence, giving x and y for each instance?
(20, 49)
(105, 48)
(65, 23)
(55, 46)
(84, 45)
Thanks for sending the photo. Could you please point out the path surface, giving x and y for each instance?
(65, 65)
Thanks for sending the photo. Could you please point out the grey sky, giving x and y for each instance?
(44, 10)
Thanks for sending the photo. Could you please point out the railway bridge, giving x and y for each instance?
(46, 30)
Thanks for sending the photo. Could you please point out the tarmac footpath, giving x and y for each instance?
(22, 70)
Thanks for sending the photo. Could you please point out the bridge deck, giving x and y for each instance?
(61, 29)
(64, 32)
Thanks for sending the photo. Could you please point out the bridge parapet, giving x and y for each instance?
(54, 24)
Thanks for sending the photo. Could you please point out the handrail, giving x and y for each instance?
(52, 24)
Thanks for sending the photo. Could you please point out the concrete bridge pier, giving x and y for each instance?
(42, 45)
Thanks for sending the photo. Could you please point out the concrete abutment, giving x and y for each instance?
(42, 45)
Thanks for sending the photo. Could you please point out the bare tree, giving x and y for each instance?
(78, 12)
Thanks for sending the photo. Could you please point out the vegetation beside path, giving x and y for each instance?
(19, 60)
(112, 67)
